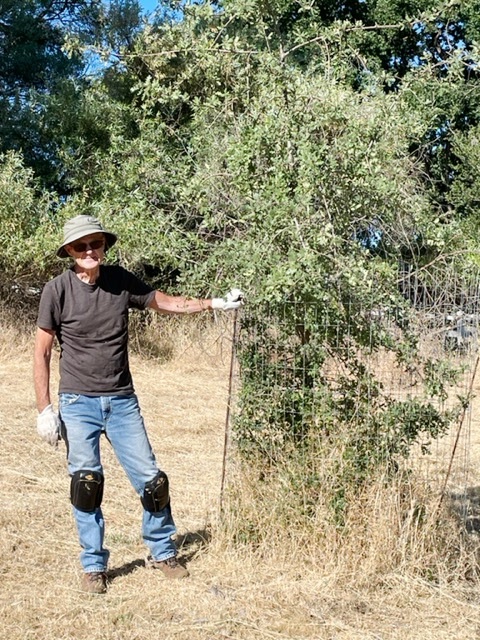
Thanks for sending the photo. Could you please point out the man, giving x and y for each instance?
(86, 309)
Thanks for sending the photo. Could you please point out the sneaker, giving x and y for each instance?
(171, 568)
(95, 582)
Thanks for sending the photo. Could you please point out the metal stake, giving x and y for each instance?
(229, 406)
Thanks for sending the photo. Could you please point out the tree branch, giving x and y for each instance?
(372, 27)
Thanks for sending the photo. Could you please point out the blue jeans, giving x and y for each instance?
(84, 420)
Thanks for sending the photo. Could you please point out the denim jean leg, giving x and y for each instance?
(83, 424)
(126, 431)
(91, 532)
(158, 529)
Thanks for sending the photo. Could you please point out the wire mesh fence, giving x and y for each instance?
(369, 385)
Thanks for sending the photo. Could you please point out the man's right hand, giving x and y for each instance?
(48, 425)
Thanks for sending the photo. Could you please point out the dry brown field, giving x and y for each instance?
(234, 592)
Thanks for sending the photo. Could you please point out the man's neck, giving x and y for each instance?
(90, 276)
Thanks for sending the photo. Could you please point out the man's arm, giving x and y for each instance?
(41, 366)
(163, 303)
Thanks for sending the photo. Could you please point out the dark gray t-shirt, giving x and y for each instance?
(91, 325)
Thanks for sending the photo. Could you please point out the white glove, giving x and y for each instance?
(233, 300)
(48, 425)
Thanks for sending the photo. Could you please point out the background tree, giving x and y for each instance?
(44, 78)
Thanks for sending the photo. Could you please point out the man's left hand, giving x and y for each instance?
(233, 300)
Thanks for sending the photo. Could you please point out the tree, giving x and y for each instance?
(42, 76)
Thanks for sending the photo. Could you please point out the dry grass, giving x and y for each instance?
(291, 584)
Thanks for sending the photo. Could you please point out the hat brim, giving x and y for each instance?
(110, 240)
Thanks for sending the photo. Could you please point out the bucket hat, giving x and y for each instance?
(81, 226)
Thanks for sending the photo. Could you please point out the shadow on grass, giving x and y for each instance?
(125, 569)
(466, 505)
(188, 545)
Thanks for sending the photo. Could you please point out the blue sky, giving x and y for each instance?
(148, 5)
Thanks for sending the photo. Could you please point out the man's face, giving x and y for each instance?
(88, 251)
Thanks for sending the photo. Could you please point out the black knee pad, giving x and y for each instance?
(156, 495)
(86, 490)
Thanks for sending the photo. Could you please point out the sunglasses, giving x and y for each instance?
(80, 247)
